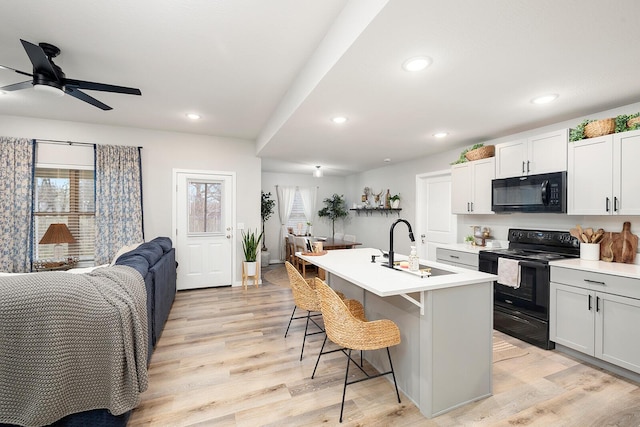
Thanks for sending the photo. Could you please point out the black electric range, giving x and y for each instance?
(522, 310)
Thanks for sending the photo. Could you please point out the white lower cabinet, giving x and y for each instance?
(596, 314)
(461, 259)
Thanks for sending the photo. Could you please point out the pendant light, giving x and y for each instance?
(318, 172)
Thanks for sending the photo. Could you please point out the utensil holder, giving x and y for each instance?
(590, 251)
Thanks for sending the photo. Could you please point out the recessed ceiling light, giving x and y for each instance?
(545, 99)
(440, 134)
(193, 116)
(417, 63)
(339, 119)
(387, 160)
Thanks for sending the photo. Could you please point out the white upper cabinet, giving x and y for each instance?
(540, 154)
(471, 186)
(603, 175)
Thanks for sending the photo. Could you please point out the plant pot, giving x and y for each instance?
(395, 204)
(249, 268)
(264, 258)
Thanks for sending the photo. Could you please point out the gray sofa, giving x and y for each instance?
(155, 261)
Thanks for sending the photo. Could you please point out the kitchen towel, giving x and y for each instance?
(509, 272)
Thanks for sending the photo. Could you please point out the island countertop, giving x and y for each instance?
(355, 266)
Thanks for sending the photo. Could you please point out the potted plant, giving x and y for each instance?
(250, 245)
(266, 210)
(395, 201)
(334, 209)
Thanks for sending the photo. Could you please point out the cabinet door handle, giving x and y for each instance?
(597, 304)
(454, 256)
(595, 282)
(471, 206)
(607, 205)
(527, 166)
(468, 210)
(523, 167)
(615, 204)
(589, 302)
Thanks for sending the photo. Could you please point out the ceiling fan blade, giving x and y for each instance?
(86, 98)
(39, 59)
(81, 84)
(17, 71)
(17, 86)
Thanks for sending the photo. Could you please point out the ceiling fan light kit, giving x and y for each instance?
(48, 77)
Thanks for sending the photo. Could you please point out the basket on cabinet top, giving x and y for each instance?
(599, 128)
(483, 152)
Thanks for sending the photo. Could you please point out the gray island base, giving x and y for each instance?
(446, 323)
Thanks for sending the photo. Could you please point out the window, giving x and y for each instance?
(65, 196)
(298, 220)
(205, 212)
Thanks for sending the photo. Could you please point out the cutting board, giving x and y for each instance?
(619, 247)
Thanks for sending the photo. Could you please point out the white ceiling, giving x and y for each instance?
(276, 71)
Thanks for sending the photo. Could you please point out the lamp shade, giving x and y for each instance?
(57, 233)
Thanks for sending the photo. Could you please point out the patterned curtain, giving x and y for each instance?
(118, 200)
(16, 200)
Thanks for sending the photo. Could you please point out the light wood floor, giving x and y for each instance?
(223, 361)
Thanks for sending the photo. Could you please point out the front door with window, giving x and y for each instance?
(204, 225)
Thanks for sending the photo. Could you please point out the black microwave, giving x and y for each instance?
(534, 193)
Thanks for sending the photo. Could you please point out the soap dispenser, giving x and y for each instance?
(414, 261)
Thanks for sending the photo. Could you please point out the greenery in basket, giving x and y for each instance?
(621, 122)
(334, 208)
(394, 197)
(266, 210)
(250, 243)
(578, 133)
(462, 158)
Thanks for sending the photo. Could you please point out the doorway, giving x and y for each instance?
(436, 224)
(203, 218)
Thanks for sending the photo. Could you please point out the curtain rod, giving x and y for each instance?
(57, 141)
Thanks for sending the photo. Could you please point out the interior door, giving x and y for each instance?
(436, 224)
(203, 226)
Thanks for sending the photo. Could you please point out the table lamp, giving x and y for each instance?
(57, 234)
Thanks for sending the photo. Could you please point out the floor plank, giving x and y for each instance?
(223, 360)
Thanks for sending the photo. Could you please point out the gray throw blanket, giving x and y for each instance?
(71, 343)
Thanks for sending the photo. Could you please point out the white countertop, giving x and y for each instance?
(614, 268)
(355, 266)
(472, 249)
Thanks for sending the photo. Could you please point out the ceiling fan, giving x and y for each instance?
(49, 77)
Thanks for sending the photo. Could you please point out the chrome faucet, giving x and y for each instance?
(390, 264)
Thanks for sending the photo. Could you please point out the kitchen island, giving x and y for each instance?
(445, 320)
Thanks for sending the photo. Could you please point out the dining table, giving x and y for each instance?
(329, 243)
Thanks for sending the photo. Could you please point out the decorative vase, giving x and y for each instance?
(395, 204)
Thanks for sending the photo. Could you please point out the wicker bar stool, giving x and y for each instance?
(351, 333)
(305, 298)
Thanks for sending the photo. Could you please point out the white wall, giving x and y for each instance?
(161, 153)
(327, 186)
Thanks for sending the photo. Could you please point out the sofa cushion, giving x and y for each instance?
(134, 260)
(164, 242)
(124, 250)
(151, 251)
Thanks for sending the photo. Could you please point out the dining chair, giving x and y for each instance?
(302, 245)
(352, 333)
(290, 248)
(338, 236)
(349, 238)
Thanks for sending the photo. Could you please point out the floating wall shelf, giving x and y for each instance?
(370, 211)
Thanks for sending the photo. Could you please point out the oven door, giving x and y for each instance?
(531, 296)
